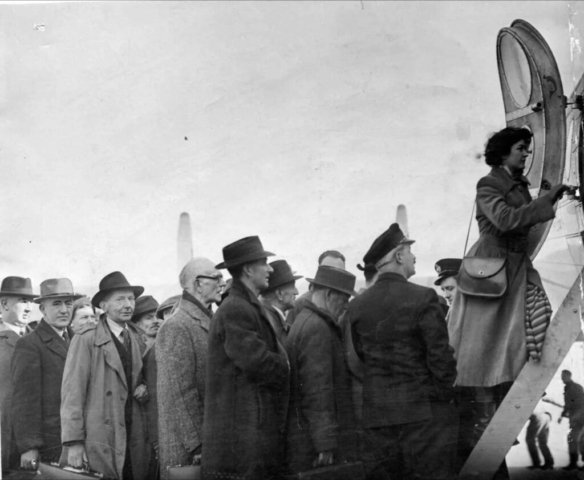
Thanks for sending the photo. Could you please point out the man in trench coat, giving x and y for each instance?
(247, 376)
(321, 423)
(103, 421)
(37, 372)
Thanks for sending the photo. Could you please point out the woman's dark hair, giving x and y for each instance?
(81, 303)
(499, 145)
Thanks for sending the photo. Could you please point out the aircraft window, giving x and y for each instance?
(516, 70)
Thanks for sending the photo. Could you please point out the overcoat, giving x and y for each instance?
(321, 416)
(399, 331)
(94, 393)
(181, 350)
(8, 340)
(281, 327)
(247, 373)
(488, 335)
(37, 368)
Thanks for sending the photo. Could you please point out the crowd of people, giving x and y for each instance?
(391, 382)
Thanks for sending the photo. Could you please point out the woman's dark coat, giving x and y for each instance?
(321, 415)
(247, 376)
(488, 335)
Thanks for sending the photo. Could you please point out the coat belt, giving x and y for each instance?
(511, 244)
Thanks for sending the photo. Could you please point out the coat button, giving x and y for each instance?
(109, 393)
(106, 421)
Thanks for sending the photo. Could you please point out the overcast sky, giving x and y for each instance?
(305, 123)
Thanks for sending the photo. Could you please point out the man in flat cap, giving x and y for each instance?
(447, 270)
(329, 258)
(247, 373)
(38, 363)
(280, 297)
(181, 352)
(146, 320)
(103, 421)
(15, 297)
(399, 332)
(321, 422)
(166, 308)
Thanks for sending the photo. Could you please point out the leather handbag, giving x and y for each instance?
(484, 277)
(187, 472)
(342, 471)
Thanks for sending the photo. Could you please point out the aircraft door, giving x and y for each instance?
(534, 98)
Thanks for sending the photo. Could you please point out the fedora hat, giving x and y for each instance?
(281, 275)
(111, 282)
(169, 303)
(17, 286)
(447, 267)
(243, 251)
(145, 304)
(389, 240)
(57, 288)
(335, 278)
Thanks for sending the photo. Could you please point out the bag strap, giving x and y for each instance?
(474, 205)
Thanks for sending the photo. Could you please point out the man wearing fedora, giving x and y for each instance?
(280, 297)
(103, 421)
(38, 363)
(15, 297)
(247, 375)
(321, 422)
(399, 331)
(181, 350)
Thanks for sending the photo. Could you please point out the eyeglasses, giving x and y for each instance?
(217, 278)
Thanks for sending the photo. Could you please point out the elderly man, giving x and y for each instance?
(399, 332)
(280, 297)
(321, 422)
(247, 375)
(15, 297)
(330, 258)
(37, 372)
(102, 422)
(181, 350)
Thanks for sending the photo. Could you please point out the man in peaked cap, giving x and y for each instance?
(447, 270)
(321, 422)
(399, 332)
(280, 297)
(15, 297)
(166, 308)
(38, 363)
(247, 375)
(103, 421)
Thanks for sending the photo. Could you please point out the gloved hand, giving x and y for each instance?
(557, 191)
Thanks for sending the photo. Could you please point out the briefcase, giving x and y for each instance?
(342, 471)
(54, 472)
(188, 472)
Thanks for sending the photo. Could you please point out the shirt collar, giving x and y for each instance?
(19, 330)
(58, 332)
(114, 327)
(282, 316)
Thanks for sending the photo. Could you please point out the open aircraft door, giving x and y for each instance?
(533, 98)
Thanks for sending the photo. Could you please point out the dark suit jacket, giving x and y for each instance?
(37, 373)
(281, 328)
(399, 332)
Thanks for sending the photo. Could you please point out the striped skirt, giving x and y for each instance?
(538, 314)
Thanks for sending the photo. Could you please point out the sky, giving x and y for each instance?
(306, 123)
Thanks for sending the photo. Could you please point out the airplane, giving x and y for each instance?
(533, 98)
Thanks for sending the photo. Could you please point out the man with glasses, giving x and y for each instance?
(399, 331)
(321, 421)
(181, 359)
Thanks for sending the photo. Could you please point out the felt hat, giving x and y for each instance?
(281, 275)
(57, 288)
(242, 251)
(447, 267)
(111, 282)
(335, 278)
(17, 286)
(145, 304)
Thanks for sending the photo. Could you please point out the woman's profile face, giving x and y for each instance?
(517, 157)
(83, 316)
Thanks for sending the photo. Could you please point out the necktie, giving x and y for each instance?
(125, 336)
(66, 337)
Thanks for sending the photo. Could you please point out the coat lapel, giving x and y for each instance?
(51, 339)
(103, 339)
(196, 312)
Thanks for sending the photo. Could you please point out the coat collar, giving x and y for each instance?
(240, 290)
(507, 180)
(195, 310)
(10, 335)
(392, 277)
(53, 340)
(326, 316)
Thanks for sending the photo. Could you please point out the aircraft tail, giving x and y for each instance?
(185, 241)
